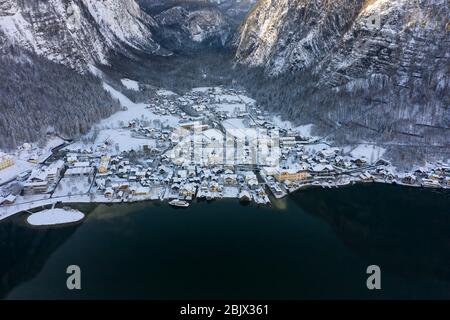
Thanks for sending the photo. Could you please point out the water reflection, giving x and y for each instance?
(404, 230)
(25, 250)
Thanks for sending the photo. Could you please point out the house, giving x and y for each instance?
(103, 167)
(269, 171)
(323, 170)
(366, 176)
(54, 170)
(35, 187)
(182, 174)
(249, 175)
(33, 159)
(253, 183)
(5, 161)
(23, 175)
(230, 179)
(359, 161)
(328, 153)
(214, 187)
(288, 141)
(8, 200)
(245, 196)
(409, 179)
(188, 190)
(37, 182)
(175, 187)
(71, 158)
(420, 172)
(123, 185)
(109, 192)
(141, 191)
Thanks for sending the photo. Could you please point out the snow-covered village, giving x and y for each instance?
(208, 144)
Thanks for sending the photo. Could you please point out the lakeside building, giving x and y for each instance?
(54, 171)
(291, 174)
(35, 187)
(40, 179)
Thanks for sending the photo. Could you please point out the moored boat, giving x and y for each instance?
(179, 203)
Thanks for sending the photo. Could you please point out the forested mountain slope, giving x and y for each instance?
(78, 32)
(37, 96)
(377, 69)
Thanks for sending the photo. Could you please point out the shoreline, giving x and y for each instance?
(85, 198)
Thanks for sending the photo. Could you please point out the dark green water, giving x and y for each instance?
(316, 244)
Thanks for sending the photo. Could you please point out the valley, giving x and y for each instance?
(211, 149)
(208, 143)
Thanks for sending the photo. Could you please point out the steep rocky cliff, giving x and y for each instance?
(347, 39)
(183, 28)
(78, 32)
(382, 65)
(190, 25)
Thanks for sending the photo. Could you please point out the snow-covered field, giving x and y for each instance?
(130, 84)
(165, 93)
(371, 152)
(111, 128)
(54, 216)
(135, 111)
(72, 185)
(234, 123)
(230, 107)
(123, 139)
(303, 130)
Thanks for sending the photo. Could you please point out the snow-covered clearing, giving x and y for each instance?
(230, 107)
(123, 139)
(165, 93)
(130, 84)
(234, 123)
(371, 152)
(135, 111)
(303, 130)
(72, 185)
(54, 216)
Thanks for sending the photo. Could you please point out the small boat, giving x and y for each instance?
(179, 203)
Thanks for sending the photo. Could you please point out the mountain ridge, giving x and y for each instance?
(378, 68)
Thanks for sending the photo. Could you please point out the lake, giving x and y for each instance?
(315, 244)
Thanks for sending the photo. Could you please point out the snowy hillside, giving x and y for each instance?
(77, 32)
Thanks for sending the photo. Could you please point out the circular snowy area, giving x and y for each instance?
(54, 216)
